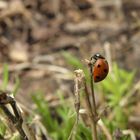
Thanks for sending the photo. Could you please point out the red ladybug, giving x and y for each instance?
(101, 67)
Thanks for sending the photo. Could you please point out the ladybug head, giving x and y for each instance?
(97, 56)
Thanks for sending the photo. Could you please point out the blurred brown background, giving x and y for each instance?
(33, 33)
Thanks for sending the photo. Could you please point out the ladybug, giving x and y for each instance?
(100, 69)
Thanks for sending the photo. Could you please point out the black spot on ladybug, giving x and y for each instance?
(105, 70)
(98, 77)
(98, 65)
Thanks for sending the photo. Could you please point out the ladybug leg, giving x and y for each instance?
(93, 61)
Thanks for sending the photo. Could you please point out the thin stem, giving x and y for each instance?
(92, 91)
(77, 98)
(88, 99)
(77, 84)
(94, 105)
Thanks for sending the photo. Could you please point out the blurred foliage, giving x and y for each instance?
(2, 128)
(118, 84)
(5, 80)
(60, 120)
(115, 88)
(63, 119)
(76, 64)
(5, 77)
(15, 137)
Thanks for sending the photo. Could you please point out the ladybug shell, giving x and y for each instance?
(100, 70)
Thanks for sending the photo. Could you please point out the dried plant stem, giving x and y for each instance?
(93, 99)
(91, 105)
(87, 98)
(90, 111)
(15, 117)
(77, 98)
(17, 124)
(104, 129)
(94, 123)
(77, 84)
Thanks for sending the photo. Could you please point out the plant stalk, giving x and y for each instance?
(94, 128)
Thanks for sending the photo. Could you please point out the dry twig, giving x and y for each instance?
(79, 75)
(15, 118)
